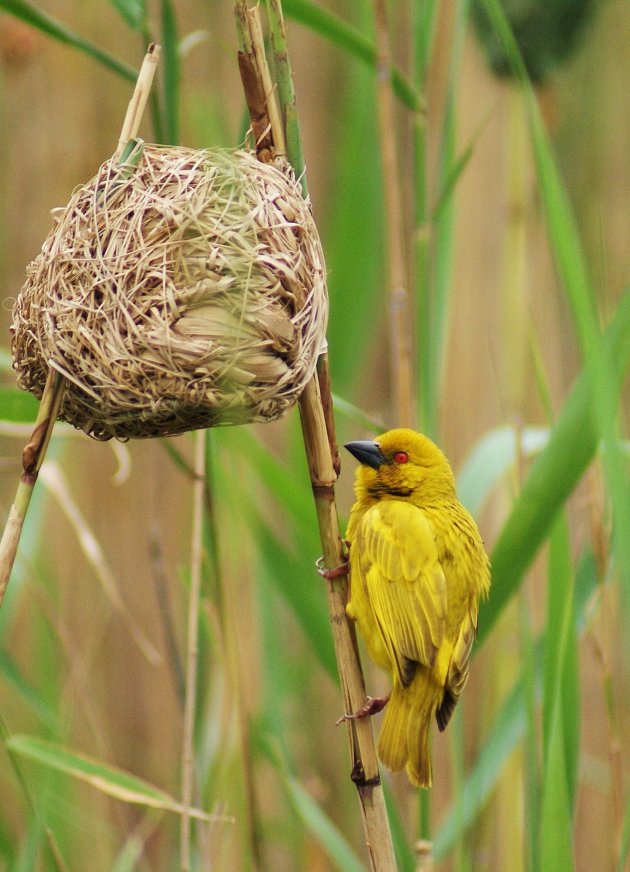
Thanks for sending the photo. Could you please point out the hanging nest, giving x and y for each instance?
(178, 289)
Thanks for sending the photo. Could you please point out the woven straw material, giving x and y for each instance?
(184, 292)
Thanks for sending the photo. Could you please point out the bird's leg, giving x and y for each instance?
(373, 705)
(336, 571)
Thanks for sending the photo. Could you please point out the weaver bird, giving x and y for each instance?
(417, 569)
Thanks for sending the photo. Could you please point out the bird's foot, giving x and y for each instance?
(373, 705)
(336, 571)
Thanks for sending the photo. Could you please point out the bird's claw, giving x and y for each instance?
(373, 705)
(335, 572)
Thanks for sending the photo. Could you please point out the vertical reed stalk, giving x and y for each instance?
(319, 439)
(286, 91)
(32, 459)
(401, 376)
(423, 22)
(192, 648)
(601, 637)
(52, 397)
(424, 17)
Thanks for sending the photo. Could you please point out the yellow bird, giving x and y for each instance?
(417, 569)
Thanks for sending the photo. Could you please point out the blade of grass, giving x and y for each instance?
(12, 675)
(506, 732)
(560, 683)
(134, 13)
(307, 604)
(108, 779)
(625, 841)
(531, 761)
(508, 727)
(17, 406)
(553, 476)
(572, 267)
(339, 852)
(271, 480)
(556, 847)
(37, 822)
(352, 41)
(42, 21)
(561, 714)
(171, 72)
(491, 458)
(354, 259)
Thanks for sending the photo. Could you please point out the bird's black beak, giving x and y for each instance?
(367, 453)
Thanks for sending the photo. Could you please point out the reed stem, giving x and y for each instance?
(32, 459)
(192, 650)
(318, 430)
(401, 376)
(52, 396)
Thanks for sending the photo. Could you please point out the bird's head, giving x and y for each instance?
(402, 464)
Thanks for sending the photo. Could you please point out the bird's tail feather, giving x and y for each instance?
(419, 763)
(392, 740)
(404, 737)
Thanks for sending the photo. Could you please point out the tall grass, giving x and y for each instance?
(90, 774)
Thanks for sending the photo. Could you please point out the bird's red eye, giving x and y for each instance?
(401, 457)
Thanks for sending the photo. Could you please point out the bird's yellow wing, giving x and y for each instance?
(398, 590)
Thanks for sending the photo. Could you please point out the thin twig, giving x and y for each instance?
(319, 438)
(192, 648)
(400, 354)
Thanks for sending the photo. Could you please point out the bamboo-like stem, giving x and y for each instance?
(400, 353)
(253, 86)
(258, 45)
(364, 764)
(323, 462)
(192, 649)
(32, 459)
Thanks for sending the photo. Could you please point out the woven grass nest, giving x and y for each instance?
(183, 290)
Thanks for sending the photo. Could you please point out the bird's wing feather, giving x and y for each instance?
(399, 573)
(459, 665)
(460, 659)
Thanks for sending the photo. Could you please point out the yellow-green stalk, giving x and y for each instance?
(319, 439)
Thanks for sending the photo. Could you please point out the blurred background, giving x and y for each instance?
(519, 780)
